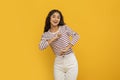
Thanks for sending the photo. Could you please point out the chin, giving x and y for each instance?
(55, 24)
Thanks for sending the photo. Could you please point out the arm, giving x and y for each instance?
(74, 36)
(66, 49)
(45, 41)
(54, 38)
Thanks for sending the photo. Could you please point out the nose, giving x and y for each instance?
(56, 19)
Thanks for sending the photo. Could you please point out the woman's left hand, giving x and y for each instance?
(63, 51)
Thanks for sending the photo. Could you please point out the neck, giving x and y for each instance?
(54, 28)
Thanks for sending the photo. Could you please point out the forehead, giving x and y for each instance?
(56, 13)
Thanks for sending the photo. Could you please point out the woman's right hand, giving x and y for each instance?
(57, 36)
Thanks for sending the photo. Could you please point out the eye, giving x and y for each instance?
(58, 17)
(53, 16)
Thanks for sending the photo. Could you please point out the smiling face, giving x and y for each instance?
(55, 19)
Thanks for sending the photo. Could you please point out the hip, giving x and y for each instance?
(68, 59)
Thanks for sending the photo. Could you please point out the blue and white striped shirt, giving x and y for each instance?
(60, 43)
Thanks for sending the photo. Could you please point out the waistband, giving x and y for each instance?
(64, 55)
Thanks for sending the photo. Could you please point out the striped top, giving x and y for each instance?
(60, 43)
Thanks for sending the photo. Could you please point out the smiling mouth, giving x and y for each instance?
(55, 22)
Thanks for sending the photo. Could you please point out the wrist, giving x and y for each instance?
(69, 46)
(51, 40)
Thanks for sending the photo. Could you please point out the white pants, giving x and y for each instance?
(66, 67)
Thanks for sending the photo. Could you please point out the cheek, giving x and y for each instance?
(59, 20)
(51, 19)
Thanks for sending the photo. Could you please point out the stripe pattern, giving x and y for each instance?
(62, 42)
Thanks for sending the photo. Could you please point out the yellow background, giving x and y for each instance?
(21, 27)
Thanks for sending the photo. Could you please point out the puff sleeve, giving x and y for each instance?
(73, 34)
(43, 42)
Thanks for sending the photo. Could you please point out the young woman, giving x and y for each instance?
(57, 34)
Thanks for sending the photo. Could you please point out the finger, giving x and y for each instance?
(59, 34)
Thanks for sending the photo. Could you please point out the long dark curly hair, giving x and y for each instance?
(47, 22)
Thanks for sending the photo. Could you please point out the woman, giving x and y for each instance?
(57, 34)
